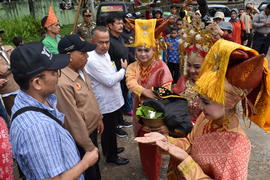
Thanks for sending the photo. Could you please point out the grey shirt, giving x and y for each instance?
(259, 21)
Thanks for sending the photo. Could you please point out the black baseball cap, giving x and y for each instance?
(73, 42)
(1, 31)
(31, 59)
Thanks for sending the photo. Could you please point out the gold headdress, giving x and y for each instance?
(195, 37)
(245, 69)
(148, 32)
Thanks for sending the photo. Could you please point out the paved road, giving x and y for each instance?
(259, 165)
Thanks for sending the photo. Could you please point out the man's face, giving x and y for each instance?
(87, 18)
(102, 40)
(78, 59)
(174, 10)
(172, 20)
(189, 7)
(217, 20)
(267, 11)
(174, 34)
(46, 82)
(117, 26)
(54, 28)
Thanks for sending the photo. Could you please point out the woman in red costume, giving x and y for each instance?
(217, 147)
(141, 76)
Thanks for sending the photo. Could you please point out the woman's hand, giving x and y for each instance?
(149, 94)
(173, 150)
(151, 138)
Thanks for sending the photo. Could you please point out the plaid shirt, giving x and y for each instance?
(172, 51)
(42, 148)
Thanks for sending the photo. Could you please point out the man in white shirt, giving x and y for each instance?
(106, 85)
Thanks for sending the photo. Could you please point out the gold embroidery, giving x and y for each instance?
(188, 167)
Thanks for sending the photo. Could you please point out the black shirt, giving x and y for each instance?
(117, 50)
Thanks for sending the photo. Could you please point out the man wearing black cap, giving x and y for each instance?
(77, 100)
(40, 145)
(261, 23)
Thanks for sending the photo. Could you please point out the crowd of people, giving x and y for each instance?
(62, 93)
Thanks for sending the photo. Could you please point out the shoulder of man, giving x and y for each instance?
(80, 25)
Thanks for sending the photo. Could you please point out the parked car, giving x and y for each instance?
(106, 9)
(213, 8)
(263, 5)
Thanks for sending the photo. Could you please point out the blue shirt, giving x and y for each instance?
(172, 51)
(42, 148)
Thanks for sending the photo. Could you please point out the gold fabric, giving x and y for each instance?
(145, 33)
(212, 75)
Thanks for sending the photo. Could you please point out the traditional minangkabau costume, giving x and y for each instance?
(139, 76)
(219, 149)
(195, 40)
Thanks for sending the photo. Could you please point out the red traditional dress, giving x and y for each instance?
(138, 77)
(217, 151)
(184, 88)
(6, 162)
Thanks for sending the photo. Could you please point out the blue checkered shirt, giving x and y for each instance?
(42, 148)
(172, 51)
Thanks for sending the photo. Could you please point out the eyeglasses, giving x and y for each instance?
(87, 15)
(146, 50)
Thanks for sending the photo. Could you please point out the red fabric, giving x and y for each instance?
(157, 75)
(222, 155)
(150, 159)
(6, 162)
(238, 26)
(180, 86)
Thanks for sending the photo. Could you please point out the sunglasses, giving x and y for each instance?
(146, 50)
(87, 15)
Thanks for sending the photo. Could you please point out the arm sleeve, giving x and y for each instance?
(74, 121)
(165, 77)
(191, 170)
(41, 147)
(100, 74)
(244, 19)
(236, 165)
(256, 21)
(132, 82)
(186, 143)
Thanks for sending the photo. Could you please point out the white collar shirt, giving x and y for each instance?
(105, 81)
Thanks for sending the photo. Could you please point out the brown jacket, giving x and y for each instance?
(78, 102)
(5, 72)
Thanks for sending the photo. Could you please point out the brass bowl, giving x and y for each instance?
(153, 123)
